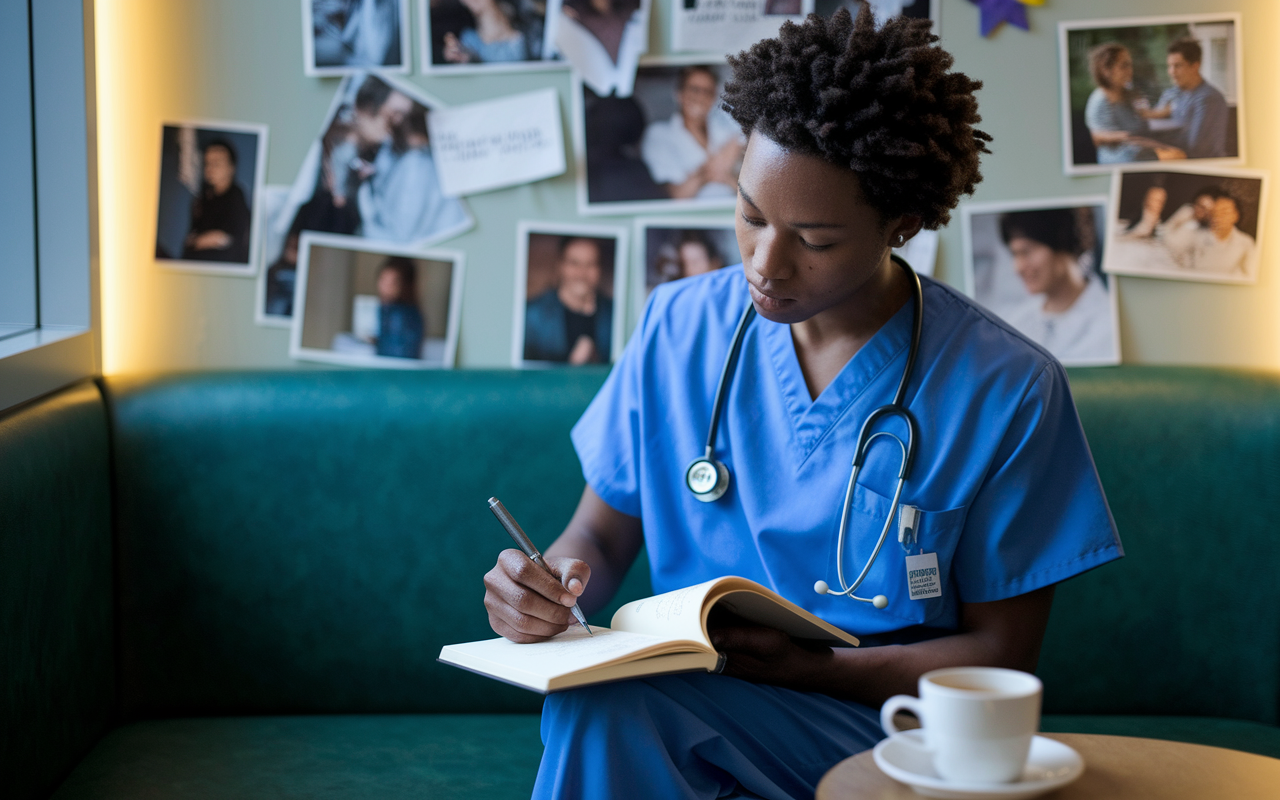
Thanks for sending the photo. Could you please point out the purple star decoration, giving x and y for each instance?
(995, 12)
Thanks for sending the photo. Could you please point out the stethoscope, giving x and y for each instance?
(708, 478)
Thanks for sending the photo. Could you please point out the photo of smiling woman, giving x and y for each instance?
(858, 136)
(1038, 266)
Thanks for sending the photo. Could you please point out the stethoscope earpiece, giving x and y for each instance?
(707, 478)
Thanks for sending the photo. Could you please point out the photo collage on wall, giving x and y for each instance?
(348, 256)
(1154, 102)
(1157, 103)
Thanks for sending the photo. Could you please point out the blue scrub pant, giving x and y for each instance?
(695, 735)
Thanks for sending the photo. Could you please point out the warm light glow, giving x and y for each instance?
(129, 92)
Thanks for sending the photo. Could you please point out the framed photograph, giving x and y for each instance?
(602, 40)
(671, 248)
(1143, 92)
(476, 36)
(916, 9)
(727, 26)
(344, 36)
(210, 179)
(365, 304)
(1193, 224)
(371, 173)
(1037, 264)
(641, 153)
(570, 294)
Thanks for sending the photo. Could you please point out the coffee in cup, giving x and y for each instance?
(978, 721)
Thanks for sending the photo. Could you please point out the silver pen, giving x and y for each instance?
(522, 541)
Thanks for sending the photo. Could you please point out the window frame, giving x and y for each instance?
(63, 347)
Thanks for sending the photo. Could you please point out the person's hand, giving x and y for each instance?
(213, 240)
(1170, 154)
(764, 655)
(583, 352)
(454, 52)
(525, 603)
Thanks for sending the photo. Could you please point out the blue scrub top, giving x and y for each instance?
(1010, 497)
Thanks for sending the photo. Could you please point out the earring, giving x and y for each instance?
(901, 239)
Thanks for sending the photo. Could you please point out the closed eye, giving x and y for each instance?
(755, 223)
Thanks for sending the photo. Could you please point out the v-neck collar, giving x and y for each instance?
(812, 419)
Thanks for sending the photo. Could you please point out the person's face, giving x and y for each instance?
(694, 259)
(1121, 73)
(810, 241)
(389, 286)
(370, 129)
(1183, 73)
(1224, 216)
(219, 172)
(1036, 264)
(580, 267)
(1203, 208)
(697, 95)
(395, 109)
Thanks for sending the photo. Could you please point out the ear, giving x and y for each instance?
(904, 229)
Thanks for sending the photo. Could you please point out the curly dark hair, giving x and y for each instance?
(879, 101)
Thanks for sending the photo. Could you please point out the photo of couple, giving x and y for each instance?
(370, 174)
(1164, 90)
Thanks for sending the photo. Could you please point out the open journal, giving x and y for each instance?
(654, 636)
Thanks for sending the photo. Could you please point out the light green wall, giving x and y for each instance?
(242, 60)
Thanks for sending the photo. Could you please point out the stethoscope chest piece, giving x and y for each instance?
(707, 478)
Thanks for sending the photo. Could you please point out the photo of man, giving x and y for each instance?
(1187, 225)
(1197, 109)
(567, 300)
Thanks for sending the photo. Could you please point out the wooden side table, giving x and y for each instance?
(1114, 767)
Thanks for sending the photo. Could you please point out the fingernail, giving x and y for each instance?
(575, 586)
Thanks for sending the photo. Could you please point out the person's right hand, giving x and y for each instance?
(525, 603)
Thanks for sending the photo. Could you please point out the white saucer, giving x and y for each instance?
(1050, 765)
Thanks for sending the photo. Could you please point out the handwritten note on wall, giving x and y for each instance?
(497, 143)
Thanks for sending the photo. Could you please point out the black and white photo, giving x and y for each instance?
(364, 304)
(570, 294)
(1037, 265)
(210, 181)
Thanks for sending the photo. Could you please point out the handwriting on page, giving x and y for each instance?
(669, 606)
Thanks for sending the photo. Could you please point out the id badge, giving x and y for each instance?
(923, 580)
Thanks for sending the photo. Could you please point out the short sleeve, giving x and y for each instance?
(1096, 117)
(607, 437)
(1040, 516)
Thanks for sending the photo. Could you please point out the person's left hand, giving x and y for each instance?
(765, 655)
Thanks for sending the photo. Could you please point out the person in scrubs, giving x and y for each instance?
(858, 136)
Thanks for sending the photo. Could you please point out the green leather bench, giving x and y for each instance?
(236, 584)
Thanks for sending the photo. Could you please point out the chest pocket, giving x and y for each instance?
(937, 532)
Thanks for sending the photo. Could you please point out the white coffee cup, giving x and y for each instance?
(978, 721)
